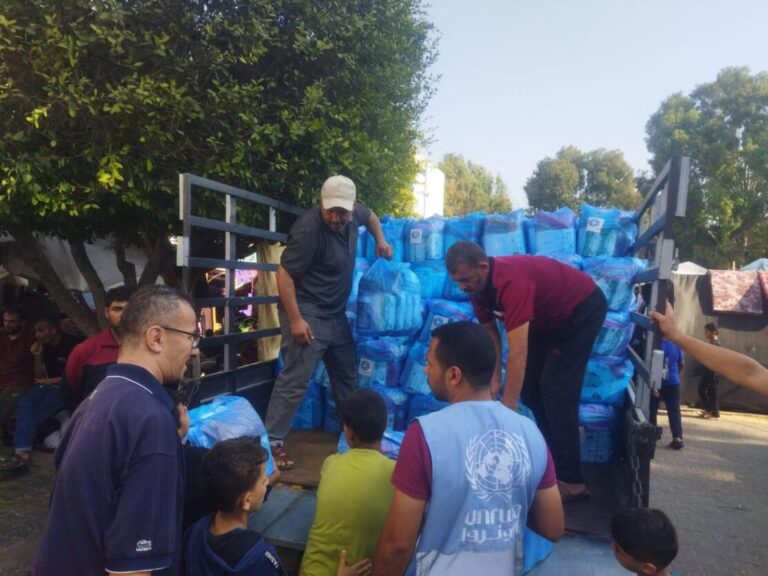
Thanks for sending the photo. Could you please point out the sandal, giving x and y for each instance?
(567, 494)
(281, 458)
(12, 463)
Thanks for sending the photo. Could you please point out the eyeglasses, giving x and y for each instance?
(194, 335)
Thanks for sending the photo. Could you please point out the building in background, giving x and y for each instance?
(428, 189)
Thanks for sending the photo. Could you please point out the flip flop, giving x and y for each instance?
(281, 458)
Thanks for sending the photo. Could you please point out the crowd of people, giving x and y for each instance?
(469, 478)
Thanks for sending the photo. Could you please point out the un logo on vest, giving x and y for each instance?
(495, 462)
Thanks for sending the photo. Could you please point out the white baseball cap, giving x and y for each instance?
(338, 192)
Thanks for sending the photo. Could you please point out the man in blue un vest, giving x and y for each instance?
(469, 477)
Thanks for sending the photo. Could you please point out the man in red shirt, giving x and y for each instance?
(16, 361)
(552, 314)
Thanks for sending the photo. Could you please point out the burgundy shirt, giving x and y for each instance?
(533, 289)
(413, 471)
(88, 362)
(16, 361)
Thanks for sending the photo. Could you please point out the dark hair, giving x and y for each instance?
(646, 534)
(365, 413)
(150, 305)
(13, 310)
(50, 320)
(230, 469)
(468, 346)
(712, 327)
(464, 252)
(118, 294)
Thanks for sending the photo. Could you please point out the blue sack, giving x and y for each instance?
(598, 231)
(397, 406)
(616, 278)
(606, 380)
(227, 417)
(362, 241)
(388, 300)
(390, 443)
(441, 312)
(425, 239)
(311, 411)
(331, 421)
(467, 228)
(572, 260)
(379, 362)
(627, 233)
(413, 380)
(423, 404)
(453, 292)
(549, 232)
(614, 335)
(432, 278)
(503, 234)
(394, 231)
(536, 549)
(598, 426)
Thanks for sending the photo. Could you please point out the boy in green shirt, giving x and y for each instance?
(355, 491)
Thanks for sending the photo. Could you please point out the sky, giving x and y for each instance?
(519, 79)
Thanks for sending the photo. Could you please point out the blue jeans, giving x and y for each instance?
(41, 402)
(671, 396)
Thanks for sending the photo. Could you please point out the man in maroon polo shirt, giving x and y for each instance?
(552, 314)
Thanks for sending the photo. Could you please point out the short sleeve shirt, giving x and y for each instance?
(673, 356)
(321, 261)
(533, 289)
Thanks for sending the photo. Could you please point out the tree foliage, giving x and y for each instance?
(103, 103)
(723, 127)
(599, 177)
(470, 187)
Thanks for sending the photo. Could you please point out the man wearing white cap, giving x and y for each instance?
(314, 280)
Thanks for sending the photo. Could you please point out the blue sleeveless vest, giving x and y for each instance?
(487, 462)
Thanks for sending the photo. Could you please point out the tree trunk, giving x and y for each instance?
(161, 260)
(126, 267)
(266, 285)
(36, 258)
(80, 256)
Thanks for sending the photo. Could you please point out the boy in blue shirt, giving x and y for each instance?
(670, 392)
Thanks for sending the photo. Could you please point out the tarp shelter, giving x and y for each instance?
(747, 334)
(759, 264)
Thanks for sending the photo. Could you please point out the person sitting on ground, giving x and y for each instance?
(644, 541)
(44, 400)
(355, 491)
(670, 392)
(738, 368)
(235, 482)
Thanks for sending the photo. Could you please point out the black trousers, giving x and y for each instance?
(708, 394)
(553, 377)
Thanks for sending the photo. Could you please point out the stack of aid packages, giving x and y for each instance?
(394, 305)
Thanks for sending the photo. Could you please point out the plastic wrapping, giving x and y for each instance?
(599, 424)
(441, 312)
(311, 411)
(503, 234)
(227, 417)
(423, 404)
(331, 421)
(379, 362)
(425, 239)
(396, 401)
(388, 300)
(549, 232)
(469, 227)
(361, 267)
(362, 242)
(598, 231)
(572, 260)
(615, 277)
(453, 292)
(606, 380)
(432, 278)
(394, 231)
(614, 336)
(627, 233)
(413, 380)
(390, 443)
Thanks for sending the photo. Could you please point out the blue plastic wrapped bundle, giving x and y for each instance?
(550, 232)
(320, 375)
(606, 380)
(331, 421)
(536, 549)
(396, 401)
(503, 234)
(453, 292)
(362, 242)
(379, 362)
(311, 411)
(614, 335)
(599, 424)
(432, 277)
(615, 276)
(422, 404)
(425, 239)
(413, 380)
(394, 231)
(441, 312)
(572, 260)
(598, 231)
(227, 417)
(469, 227)
(390, 443)
(388, 300)
(627, 233)
(361, 266)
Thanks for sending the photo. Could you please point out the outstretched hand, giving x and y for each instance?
(362, 568)
(666, 322)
